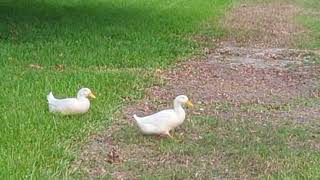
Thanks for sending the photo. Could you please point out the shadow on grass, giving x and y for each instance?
(44, 21)
(114, 34)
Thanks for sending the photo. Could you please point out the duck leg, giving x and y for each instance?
(169, 135)
(173, 132)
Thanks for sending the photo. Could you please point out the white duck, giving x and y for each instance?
(70, 106)
(162, 122)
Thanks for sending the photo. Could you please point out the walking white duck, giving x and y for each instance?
(164, 121)
(69, 106)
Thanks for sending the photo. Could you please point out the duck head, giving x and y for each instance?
(183, 99)
(85, 92)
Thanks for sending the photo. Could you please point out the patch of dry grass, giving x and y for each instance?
(264, 24)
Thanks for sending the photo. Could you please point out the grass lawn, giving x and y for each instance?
(110, 46)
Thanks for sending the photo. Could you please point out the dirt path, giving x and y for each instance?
(253, 65)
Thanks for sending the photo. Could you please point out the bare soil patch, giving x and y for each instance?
(239, 79)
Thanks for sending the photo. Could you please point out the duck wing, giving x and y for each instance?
(157, 123)
(65, 106)
(159, 117)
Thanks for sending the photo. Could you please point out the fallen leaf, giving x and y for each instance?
(113, 157)
(35, 66)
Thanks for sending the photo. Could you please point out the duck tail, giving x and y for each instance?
(50, 97)
(136, 117)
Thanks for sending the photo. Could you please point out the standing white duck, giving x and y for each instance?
(70, 106)
(162, 122)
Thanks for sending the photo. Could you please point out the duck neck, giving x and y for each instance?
(79, 96)
(177, 107)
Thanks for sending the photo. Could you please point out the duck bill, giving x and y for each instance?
(92, 96)
(189, 103)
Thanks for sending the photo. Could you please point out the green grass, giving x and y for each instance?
(310, 18)
(110, 46)
(312, 23)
